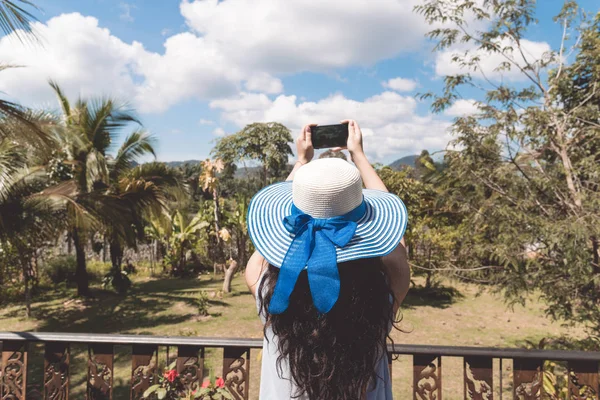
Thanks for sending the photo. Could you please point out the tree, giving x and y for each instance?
(87, 130)
(141, 191)
(529, 160)
(28, 216)
(333, 154)
(183, 236)
(432, 232)
(267, 143)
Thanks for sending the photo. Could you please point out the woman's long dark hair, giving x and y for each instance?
(333, 356)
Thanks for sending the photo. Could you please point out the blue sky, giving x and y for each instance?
(198, 69)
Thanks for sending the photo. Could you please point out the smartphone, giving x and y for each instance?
(324, 136)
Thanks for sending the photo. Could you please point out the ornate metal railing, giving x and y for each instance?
(478, 371)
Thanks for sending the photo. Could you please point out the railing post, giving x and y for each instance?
(236, 371)
(190, 365)
(56, 371)
(427, 377)
(583, 380)
(527, 379)
(100, 372)
(143, 369)
(14, 370)
(478, 378)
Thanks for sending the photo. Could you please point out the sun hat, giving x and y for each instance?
(322, 218)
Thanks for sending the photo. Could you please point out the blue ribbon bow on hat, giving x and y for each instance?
(313, 247)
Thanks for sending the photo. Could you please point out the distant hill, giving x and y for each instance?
(176, 164)
(242, 172)
(407, 160)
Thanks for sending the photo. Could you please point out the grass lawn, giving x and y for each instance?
(158, 306)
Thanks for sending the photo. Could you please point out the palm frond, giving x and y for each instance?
(96, 170)
(136, 145)
(62, 100)
(16, 19)
(104, 120)
(11, 160)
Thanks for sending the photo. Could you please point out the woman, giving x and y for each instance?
(329, 274)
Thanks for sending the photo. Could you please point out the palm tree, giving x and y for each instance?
(28, 216)
(142, 191)
(87, 130)
(118, 193)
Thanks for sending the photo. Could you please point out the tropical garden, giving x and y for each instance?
(509, 211)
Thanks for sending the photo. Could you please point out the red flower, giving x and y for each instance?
(205, 384)
(171, 375)
(220, 382)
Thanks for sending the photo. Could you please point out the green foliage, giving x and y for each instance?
(266, 143)
(526, 170)
(118, 280)
(59, 269)
(203, 303)
(433, 232)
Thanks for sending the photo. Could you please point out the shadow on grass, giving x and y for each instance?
(438, 296)
(108, 312)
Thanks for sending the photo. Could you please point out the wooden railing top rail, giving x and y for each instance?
(410, 349)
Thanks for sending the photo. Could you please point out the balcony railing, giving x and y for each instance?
(478, 376)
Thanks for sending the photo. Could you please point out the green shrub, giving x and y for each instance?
(97, 270)
(203, 304)
(118, 280)
(59, 269)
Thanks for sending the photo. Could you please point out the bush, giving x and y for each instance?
(97, 270)
(60, 269)
(203, 303)
(118, 280)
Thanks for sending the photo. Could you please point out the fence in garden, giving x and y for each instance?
(478, 371)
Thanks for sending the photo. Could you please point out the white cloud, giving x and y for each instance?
(165, 31)
(219, 132)
(400, 84)
(126, 12)
(488, 62)
(461, 108)
(234, 44)
(388, 120)
(86, 60)
(206, 122)
(82, 57)
(263, 82)
(299, 35)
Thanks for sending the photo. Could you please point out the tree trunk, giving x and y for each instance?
(69, 244)
(596, 254)
(116, 254)
(229, 276)
(26, 279)
(217, 227)
(219, 250)
(105, 249)
(81, 275)
(152, 257)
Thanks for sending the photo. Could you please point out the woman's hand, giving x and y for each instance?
(304, 145)
(355, 146)
(355, 142)
(304, 148)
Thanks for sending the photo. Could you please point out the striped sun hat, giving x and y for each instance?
(322, 218)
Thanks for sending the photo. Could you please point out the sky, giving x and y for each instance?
(196, 70)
